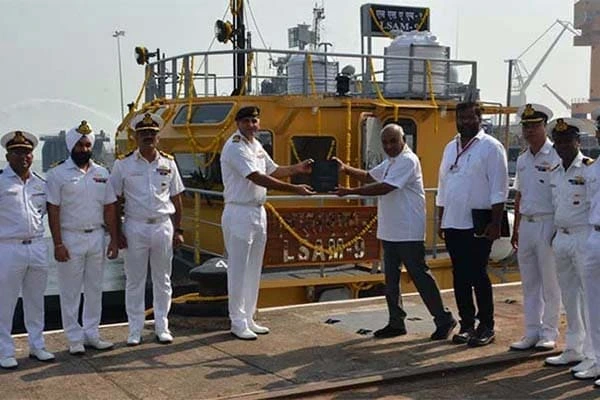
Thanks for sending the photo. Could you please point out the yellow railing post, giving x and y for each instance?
(196, 227)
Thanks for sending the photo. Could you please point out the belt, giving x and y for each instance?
(573, 229)
(536, 217)
(19, 241)
(155, 220)
(90, 230)
(233, 203)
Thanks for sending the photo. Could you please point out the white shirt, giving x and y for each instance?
(592, 180)
(401, 212)
(240, 158)
(571, 207)
(147, 186)
(533, 180)
(22, 206)
(478, 179)
(81, 195)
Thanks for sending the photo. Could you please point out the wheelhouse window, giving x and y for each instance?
(316, 147)
(200, 170)
(204, 113)
(266, 139)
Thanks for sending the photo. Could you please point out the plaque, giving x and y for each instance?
(324, 176)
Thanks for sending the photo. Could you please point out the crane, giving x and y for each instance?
(519, 77)
(557, 96)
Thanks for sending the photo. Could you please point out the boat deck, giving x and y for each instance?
(312, 349)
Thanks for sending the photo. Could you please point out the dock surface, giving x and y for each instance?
(323, 350)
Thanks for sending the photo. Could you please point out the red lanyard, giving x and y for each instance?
(464, 150)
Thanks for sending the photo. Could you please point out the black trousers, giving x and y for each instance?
(412, 255)
(469, 257)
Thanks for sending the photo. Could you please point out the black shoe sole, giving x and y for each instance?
(481, 344)
(449, 328)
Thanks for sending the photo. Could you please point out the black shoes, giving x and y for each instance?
(464, 335)
(443, 331)
(389, 331)
(483, 336)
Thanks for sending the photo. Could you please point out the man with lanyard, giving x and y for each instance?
(533, 232)
(24, 266)
(81, 202)
(148, 182)
(571, 216)
(473, 177)
(398, 183)
(591, 252)
(248, 172)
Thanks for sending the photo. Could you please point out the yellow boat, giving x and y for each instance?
(321, 247)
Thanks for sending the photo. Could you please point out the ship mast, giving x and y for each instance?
(239, 43)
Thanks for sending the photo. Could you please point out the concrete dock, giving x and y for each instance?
(323, 350)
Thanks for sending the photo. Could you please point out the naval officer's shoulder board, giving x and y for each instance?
(555, 167)
(588, 161)
(38, 176)
(166, 155)
(236, 139)
(122, 157)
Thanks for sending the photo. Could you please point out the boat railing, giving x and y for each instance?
(206, 223)
(289, 72)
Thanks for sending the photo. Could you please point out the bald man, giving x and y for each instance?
(398, 183)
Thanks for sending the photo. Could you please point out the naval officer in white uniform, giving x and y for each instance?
(571, 215)
(248, 172)
(149, 183)
(591, 254)
(534, 229)
(24, 266)
(81, 202)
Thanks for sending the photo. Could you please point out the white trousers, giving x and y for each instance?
(539, 281)
(23, 268)
(591, 283)
(84, 271)
(153, 244)
(569, 251)
(245, 236)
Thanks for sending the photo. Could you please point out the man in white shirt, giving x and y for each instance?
(533, 232)
(591, 252)
(398, 183)
(81, 203)
(24, 266)
(473, 180)
(571, 216)
(148, 182)
(248, 172)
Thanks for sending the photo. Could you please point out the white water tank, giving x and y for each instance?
(323, 71)
(409, 78)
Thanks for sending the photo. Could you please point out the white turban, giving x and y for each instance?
(74, 135)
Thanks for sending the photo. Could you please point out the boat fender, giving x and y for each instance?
(211, 277)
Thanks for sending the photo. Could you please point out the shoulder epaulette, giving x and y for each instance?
(38, 175)
(57, 163)
(588, 161)
(556, 166)
(236, 139)
(121, 156)
(99, 163)
(524, 151)
(166, 155)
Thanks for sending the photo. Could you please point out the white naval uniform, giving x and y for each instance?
(81, 196)
(541, 293)
(591, 256)
(24, 266)
(244, 223)
(147, 188)
(571, 210)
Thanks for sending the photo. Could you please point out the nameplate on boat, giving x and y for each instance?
(392, 18)
(332, 228)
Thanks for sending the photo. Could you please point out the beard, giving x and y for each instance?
(81, 159)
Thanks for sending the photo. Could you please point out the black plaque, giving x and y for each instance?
(324, 176)
(393, 18)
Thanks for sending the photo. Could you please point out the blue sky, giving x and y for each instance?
(60, 59)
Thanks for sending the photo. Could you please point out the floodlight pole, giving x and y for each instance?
(117, 34)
